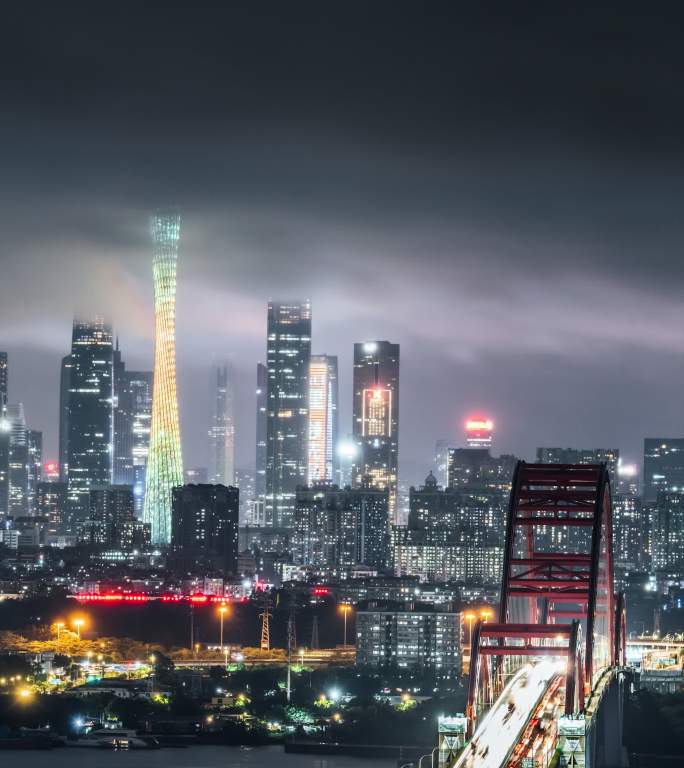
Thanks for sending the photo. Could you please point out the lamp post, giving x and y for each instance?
(222, 613)
(345, 608)
(153, 661)
(78, 623)
(470, 618)
(59, 626)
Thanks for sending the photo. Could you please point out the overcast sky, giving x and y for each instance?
(499, 191)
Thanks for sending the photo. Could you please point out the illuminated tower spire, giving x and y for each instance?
(165, 464)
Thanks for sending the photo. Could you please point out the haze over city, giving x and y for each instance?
(341, 365)
(516, 228)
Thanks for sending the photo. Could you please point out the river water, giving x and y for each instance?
(192, 757)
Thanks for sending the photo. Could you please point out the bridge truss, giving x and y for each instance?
(557, 593)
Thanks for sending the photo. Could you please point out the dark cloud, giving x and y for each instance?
(500, 192)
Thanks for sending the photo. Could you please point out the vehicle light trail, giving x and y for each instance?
(502, 727)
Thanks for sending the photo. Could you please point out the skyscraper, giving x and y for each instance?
(164, 463)
(132, 424)
(64, 387)
(4, 379)
(123, 427)
(322, 442)
(376, 416)
(261, 440)
(442, 462)
(90, 424)
(34, 443)
(140, 391)
(4, 437)
(222, 428)
(289, 353)
(18, 461)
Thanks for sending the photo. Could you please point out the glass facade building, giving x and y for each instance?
(261, 431)
(132, 426)
(222, 427)
(376, 417)
(323, 396)
(164, 462)
(287, 415)
(90, 416)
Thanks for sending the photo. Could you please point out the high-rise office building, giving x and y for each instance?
(140, 392)
(4, 379)
(122, 461)
(164, 462)
(205, 526)
(4, 437)
(376, 417)
(261, 431)
(222, 426)
(323, 419)
(442, 462)
(289, 353)
(346, 451)
(244, 480)
(90, 419)
(18, 461)
(64, 389)
(663, 466)
(34, 443)
(132, 425)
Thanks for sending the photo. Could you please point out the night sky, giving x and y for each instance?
(498, 188)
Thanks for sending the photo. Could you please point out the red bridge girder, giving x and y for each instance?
(557, 594)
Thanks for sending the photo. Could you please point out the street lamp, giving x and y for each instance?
(345, 608)
(486, 613)
(59, 625)
(222, 613)
(470, 618)
(78, 623)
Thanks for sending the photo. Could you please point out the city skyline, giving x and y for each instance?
(460, 237)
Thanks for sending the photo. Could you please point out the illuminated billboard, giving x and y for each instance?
(377, 412)
(479, 432)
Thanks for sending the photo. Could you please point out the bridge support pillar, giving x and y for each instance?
(612, 723)
(571, 741)
(452, 737)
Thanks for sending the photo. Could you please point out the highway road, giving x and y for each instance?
(499, 731)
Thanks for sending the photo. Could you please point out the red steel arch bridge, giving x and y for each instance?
(548, 679)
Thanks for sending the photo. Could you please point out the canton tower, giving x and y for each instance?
(164, 463)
